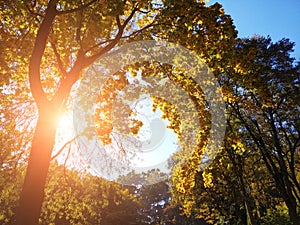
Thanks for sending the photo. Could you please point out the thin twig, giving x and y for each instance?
(62, 148)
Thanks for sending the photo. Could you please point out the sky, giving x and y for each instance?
(276, 18)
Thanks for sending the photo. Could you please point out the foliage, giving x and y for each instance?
(261, 147)
(279, 216)
(52, 42)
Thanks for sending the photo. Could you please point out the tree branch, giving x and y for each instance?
(97, 45)
(140, 30)
(58, 59)
(83, 61)
(37, 54)
(62, 148)
(76, 9)
(113, 43)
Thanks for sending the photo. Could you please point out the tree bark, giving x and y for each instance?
(32, 194)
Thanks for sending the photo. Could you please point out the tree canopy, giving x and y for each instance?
(47, 46)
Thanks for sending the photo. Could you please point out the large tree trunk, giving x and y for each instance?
(32, 194)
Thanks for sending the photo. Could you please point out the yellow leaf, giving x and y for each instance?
(208, 179)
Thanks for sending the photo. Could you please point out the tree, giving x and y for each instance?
(154, 201)
(58, 40)
(267, 108)
(74, 197)
(234, 189)
(261, 146)
(69, 30)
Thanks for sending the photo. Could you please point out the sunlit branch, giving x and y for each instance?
(129, 17)
(58, 59)
(65, 169)
(137, 32)
(76, 9)
(68, 155)
(113, 43)
(119, 144)
(295, 188)
(62, 148)
(118, 21)
(97, 45)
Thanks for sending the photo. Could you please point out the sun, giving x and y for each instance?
(64, 133)
(65, 124)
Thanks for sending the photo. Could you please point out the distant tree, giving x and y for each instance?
(267, 112)
(74, 197)
(155, 202)
(261, 147)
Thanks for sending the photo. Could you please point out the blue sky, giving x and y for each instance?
(276, 18)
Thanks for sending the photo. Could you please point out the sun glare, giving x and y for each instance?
(65, 131)
(64, 137)
(65, 122)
